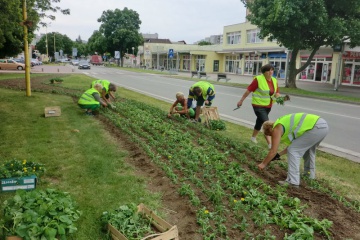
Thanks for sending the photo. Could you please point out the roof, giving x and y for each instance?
(156, 40)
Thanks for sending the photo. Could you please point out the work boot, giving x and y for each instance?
(286, 183)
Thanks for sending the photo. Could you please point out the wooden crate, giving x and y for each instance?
(210, 113)
(167, 231)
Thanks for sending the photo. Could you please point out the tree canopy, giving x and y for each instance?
(119, 30)
(306, 25)
(62, 42)
(11, 29)
(202, 43)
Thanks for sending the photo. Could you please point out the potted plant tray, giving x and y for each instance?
(166, 230)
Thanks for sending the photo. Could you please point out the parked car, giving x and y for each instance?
(74, 62)
(35, 61)
(83, 64)
(21, 60)
(8, 64)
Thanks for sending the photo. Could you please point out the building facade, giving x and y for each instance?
(243, 52)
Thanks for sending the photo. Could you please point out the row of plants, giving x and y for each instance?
(216, 175)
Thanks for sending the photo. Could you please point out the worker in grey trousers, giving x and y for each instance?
(302, 133)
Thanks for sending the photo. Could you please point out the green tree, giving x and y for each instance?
(96, 43)
(202, 43)
(304, 24)
(120, 29)
(11, 24)
(62, 42)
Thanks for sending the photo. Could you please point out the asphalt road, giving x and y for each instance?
(343, 118)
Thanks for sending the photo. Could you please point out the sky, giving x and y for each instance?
(177, 20)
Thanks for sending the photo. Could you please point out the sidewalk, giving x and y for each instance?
(349, 91)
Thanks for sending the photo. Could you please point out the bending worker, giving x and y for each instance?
(107, 91)
(302, 132)
(180, 107)
(202, 92)
(90, 99)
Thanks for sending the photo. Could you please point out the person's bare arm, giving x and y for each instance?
(243, 98)
(275, 142)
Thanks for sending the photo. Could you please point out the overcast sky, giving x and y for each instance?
(188, 20)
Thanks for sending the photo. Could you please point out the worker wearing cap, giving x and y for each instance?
(302, 132)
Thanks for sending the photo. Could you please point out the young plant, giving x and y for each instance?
(40, 214)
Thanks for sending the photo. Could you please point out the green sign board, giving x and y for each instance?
(13, 184)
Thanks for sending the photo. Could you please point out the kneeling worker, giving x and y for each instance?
(180, 107)
(90, 99)
(202, 92)
(107, 90)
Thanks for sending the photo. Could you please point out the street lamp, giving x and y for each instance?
(47, 48)
(133, 56)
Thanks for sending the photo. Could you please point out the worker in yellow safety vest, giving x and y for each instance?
(202, 92)
(90, 99)
(107, 91)
(264, 90)
(302, 133)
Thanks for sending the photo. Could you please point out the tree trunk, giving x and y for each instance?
(291, 81)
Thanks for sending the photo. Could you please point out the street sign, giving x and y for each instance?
(171, 53)
(74, 52)
(117, 54)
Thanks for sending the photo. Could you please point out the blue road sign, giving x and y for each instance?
(171, 53)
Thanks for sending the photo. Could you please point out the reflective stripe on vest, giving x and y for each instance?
(204, 88)
(261, 95)
(295, 125)
(87, 97)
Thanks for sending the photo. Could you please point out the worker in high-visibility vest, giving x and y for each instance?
(204, 93)
(91, 100)
(264, 90)
(107, 91)
(180, 107)
(302, 133)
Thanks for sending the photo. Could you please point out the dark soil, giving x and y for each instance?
(180, 212)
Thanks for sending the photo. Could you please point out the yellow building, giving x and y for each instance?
(243, 53)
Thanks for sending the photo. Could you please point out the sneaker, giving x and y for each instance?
(285, 183)
(253, 140)
(89, 113)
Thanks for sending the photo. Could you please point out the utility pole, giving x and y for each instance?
(26, 51)
(47, 48)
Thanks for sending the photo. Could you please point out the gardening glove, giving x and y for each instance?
(286, 98)
(277, 157)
